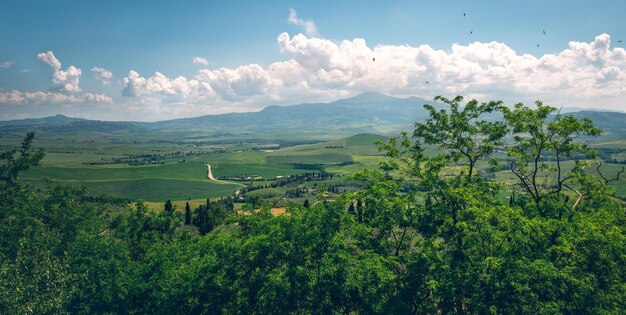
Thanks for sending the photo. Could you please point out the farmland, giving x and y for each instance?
(178, 171)
(174, 166)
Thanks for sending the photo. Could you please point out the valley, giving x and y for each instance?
(160, 161)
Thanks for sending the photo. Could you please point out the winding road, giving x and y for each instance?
(209, 173)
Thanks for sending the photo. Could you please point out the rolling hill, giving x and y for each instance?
(368, 112)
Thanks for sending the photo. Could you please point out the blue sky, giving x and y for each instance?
(241, 43)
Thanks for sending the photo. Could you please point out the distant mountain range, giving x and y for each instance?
(368, 112)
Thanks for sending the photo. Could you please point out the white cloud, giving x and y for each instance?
(309, 26)
(7, 64)
(102, 75)
(49, 59)
(585, 74)
(16, 97)
(65, 81)
(579, 73)
(200, 61)
(316, 69)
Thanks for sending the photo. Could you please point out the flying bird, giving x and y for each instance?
(427, 82)
(374, 59)
(537, 44)
(463, 14)
(619, 41)
(471, 32)
(544, 32)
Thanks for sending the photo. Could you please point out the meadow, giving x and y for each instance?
(175, 164)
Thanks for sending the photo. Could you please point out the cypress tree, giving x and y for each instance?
(168, 206)
(188, 218)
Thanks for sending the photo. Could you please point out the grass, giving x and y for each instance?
(184, 177)
(323, 158)
(179, 205)
(185, 171)
(154, 189)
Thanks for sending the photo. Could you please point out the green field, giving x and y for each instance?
(180, 172)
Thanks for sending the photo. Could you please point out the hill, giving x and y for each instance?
(365, 110)
(365, 113)
(613, 123)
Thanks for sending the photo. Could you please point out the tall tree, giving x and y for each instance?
(168, 206)
(17, 160)
(543, 139)
(188, 215)
(462, 135)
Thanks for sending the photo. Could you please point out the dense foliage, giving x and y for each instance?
(427, 234)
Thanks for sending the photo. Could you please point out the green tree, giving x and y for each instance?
(188, 215)
(17, 160)
(543, 139)
(462, 137)
(168, 206)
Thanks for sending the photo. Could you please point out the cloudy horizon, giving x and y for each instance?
(309, 66)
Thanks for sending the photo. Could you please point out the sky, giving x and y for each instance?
(158, 60)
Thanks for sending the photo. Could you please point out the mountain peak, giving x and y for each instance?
(370, 96)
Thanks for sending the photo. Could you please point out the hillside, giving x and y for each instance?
(365, 113)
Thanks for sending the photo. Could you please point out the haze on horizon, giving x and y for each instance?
(149, 61)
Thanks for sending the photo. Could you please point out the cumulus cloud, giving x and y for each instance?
(492, 69)
(7, 64)
(49, 59)
(102, 75)
(16, 97)
(62, 80)
(66, 81)
(316, 69)
(224, 84)
(309, 26)
(200, 61)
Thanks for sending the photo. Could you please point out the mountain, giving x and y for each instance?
(613, 123)
(61, 123)
(369, 109)
(358, 114)
(46, 121)
(368, 112)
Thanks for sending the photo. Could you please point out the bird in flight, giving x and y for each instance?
(544, 32)
(463, 14)
(619, 41)
(374, 59)
(427, 82)
(537, 44)
(471, 32)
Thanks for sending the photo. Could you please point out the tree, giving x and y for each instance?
(168, 206)
(462, 136)
(188, 215)
(306, 204)
(543, 137)
(19, 160)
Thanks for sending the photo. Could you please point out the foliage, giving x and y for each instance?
(426, 234)
(537, 135)
(18, 160)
